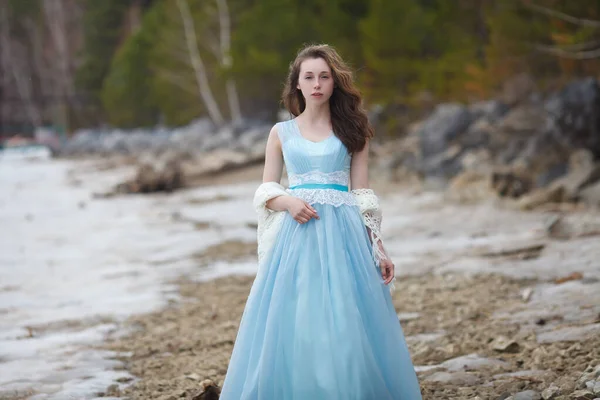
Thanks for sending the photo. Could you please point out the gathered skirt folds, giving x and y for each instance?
(319, 323)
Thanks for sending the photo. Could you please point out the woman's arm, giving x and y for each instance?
(359, 179)
(273, 168)
(359, 169)
(300, 210)
(273, 158)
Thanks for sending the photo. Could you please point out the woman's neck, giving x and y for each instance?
(316, 115)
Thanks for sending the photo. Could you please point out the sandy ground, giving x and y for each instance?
(493, 303)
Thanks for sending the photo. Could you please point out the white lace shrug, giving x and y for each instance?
(269, 221)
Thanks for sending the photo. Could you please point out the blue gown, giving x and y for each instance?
(319, 323)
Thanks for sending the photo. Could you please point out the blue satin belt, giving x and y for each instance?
(341, 188)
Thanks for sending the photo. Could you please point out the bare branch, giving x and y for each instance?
(201, 77)
(176, 80)
(557, 51)
(565, 17)
(580, 46)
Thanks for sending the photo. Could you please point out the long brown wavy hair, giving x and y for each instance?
(348, 117)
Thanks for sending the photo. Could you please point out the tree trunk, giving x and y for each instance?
(17, 67)
(196, 61)
(227, 61)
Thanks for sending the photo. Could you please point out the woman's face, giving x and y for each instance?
(315, 81)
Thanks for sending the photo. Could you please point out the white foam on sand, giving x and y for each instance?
(73, 267)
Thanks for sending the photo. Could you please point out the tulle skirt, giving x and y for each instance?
(319, 323)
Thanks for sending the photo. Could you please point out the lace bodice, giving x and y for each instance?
(315, 163)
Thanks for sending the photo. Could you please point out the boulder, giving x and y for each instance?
(574, 115)
(163, 173)
(582, 172)
(591, 195)
(447, 122)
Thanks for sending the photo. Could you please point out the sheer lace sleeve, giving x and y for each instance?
(368, 202)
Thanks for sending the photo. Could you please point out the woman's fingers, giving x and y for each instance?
(306, 214)
(387, 270)
(383, 270)
(301, 219)
(311, 211)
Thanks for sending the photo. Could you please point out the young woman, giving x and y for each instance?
(319, 322)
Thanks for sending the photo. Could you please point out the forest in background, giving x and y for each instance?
(141, 63)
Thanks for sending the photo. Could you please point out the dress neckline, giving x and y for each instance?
(297, 127)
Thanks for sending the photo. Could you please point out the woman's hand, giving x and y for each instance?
(300, 210)
(387, 270)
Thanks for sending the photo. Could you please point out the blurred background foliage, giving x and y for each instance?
(127, 63)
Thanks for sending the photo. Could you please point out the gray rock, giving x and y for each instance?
(479, 134)
(456, 378)
(408, 316)
(253, 136)
(490, 110)
(443, 165)
(505, 345)
(523, 120)
(569, 334)
(528, 395)
(575, 115)
(222, 139)
(551, 174)
(590, 374)
(578, 179)
(582, 395)
(591, 195)
(446, 123)
(472, 362)
(551, 392)
(533, 373)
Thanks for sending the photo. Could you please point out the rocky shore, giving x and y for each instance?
(495, 303)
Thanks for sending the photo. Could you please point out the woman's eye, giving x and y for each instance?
(308, 77)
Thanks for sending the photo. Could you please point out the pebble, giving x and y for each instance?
(551, 392)
(456, 378)
(528, 395)
(472, 362)
(582, 395)
(569, 334)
